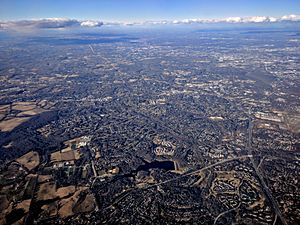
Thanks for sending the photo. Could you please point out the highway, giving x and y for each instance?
(264, 186)
(128, 191)
(261, 178)
(200, 170)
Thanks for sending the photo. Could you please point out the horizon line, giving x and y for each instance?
(59, 23)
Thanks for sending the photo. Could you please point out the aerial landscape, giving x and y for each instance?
(149, 119)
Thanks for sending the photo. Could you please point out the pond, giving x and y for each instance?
(166, 165)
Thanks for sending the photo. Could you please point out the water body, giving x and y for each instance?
(166, 165)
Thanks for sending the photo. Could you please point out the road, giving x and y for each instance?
(265, 188)
(261, 178)
(223, 213)
(200, 170)
(124, 195)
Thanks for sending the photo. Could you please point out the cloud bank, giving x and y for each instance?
(62, 23)
(49, 23)
(254, 19)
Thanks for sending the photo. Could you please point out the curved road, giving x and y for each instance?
(261, 178)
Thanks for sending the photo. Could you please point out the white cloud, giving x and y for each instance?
(294, 18)
(257, 19)
(48, 23)
(254, 19)
(273, 19)
(91, 23)
(62, 23)
(232, 20)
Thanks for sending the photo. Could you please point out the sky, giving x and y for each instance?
(144, 10)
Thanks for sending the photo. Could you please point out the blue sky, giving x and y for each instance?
(141, 10)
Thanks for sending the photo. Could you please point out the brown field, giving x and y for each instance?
(32, 112)
(4, 108)
(23, 106)
(25, 205)
(2, 116)
(69, 142)
(66, 205)
(87, 205)
(55, 156)
(10, 124)
(71, 152)
(46, 191)
(28, 110)
(65, 191)
(71, 205)
(45, 104)
(66, 149)
(3, 202)
(65, 155)
(50, 209)
(30, 160)
(44, 178)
